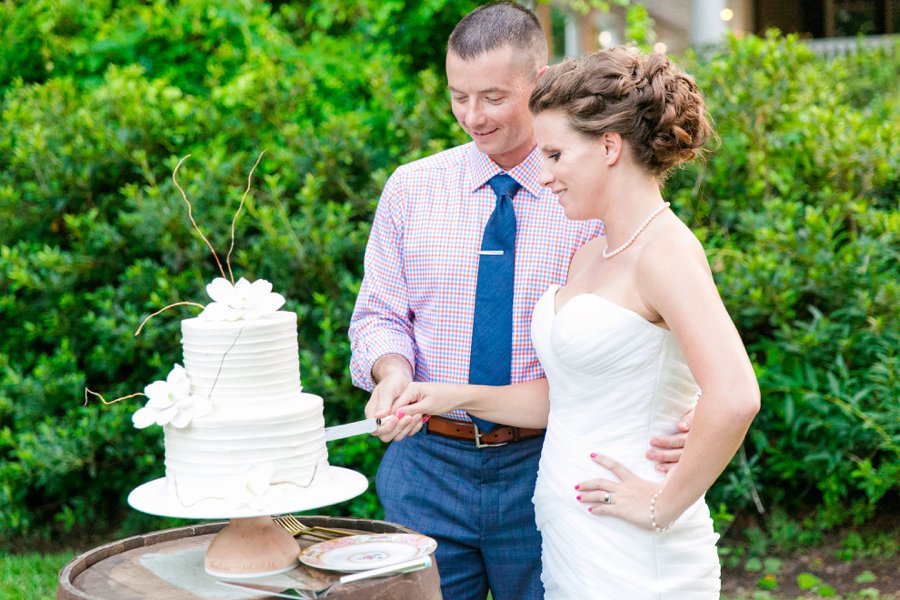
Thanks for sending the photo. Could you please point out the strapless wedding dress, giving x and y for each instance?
(616, 380)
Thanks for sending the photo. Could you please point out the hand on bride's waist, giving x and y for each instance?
(625, 496)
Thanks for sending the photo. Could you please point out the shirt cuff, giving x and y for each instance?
(365, 356)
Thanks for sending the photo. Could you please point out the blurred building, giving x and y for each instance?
(830, 25)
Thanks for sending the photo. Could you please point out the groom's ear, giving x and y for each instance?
(612, 147)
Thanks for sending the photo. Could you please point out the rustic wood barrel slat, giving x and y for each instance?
(114, 571)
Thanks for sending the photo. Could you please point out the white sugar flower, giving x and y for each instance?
(251, 485)
(243, 300)
(257, 478)
(171, 401)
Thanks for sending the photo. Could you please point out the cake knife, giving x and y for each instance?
(339, 432)
(302, 593)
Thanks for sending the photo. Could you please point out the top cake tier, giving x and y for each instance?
(231, 361)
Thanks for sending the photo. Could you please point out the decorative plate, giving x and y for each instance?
(364, 552)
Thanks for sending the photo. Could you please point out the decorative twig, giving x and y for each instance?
(104, 400)
(191, 216)
(222, 364)
(237, 212)
(165, 308)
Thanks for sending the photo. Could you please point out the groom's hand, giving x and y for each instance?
(667, 449)
(393, 374)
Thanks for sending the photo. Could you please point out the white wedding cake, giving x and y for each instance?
(237, 425)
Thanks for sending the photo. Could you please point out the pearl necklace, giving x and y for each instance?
(637, 232)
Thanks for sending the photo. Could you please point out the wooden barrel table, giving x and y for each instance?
(168, 565)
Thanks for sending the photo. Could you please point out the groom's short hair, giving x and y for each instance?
(497, 25)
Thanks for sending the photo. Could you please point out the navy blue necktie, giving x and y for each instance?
(491, 354)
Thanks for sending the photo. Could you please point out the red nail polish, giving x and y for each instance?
(401, 414)
(590, 509)
(593, 455)
(425, 418)
(578, 487)
(578, 497)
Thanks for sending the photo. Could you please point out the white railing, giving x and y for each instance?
(850, 45)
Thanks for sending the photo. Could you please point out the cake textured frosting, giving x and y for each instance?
(237, 424)
(260, 421)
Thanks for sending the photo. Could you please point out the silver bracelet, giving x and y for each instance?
(653, 515)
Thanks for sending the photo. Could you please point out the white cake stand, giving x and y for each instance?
(252, 544)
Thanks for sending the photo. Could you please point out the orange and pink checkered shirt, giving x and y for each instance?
(421, 265)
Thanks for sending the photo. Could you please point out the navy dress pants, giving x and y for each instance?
(476, 503)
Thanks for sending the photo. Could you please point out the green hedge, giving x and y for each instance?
(98, 105)
(798, 207)
(100, 100)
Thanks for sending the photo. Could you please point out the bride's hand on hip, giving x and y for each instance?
(628, 499)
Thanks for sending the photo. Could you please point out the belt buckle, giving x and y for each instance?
(479, 443)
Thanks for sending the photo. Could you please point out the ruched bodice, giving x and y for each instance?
(616, 381)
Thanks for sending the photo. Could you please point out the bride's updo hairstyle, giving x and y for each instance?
(651, 103)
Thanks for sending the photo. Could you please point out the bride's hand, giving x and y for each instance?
(628, 499)
(422, 398)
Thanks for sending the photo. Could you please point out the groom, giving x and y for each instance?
(465, 485)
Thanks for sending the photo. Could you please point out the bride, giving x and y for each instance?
(627, 343)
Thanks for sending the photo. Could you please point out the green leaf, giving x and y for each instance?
(753, 565)
(866, 577)
(807, 581)
(772, 565)
(767, 582)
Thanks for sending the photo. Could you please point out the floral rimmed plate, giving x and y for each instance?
(363, 552)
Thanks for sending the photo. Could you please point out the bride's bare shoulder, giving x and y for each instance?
(673, 242)
(674, 253)
(673, 273)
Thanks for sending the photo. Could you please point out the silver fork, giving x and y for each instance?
(293, 526)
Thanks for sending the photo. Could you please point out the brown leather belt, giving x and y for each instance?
(461, 430)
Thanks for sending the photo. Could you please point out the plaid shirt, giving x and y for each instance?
(418, 294)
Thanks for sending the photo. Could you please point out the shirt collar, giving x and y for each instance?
(483, 168)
